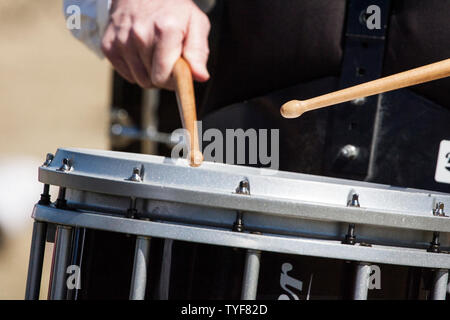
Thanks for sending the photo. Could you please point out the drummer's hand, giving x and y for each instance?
(145, 38)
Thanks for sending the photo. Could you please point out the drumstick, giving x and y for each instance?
(430, 72)
(184, 89)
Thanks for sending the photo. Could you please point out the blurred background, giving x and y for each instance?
(53, 93)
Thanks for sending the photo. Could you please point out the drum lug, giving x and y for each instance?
(439, 210)
(244, 189)
(238, 224)
(45, 196)
(66, 165)
(435, 244)
(132, 211)
(136, 175)
(61, 202)
(354, 201)
(48, 160)
(350, 237)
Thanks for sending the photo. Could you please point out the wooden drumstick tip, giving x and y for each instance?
(293, 109)
(196, 158)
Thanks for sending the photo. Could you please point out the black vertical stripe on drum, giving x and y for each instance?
(394, 283)
(427, 277)
(154, 268)
(184, 256)
(413, 283)
(228, 272)
(347, 278)
(107, 265)
(201, 271)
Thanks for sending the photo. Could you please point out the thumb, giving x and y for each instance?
(196, 50)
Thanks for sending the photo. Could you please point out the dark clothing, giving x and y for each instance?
(264, 53)
(262, 46)
(274, 51)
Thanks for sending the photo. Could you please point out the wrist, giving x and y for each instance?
(103, 14)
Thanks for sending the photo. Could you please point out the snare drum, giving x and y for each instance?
(141, 226)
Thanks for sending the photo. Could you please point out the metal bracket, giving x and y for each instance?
(351, 124)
